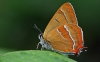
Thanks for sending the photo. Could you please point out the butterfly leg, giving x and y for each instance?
(38, 45)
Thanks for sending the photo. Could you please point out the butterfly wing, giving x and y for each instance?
(68, 38)
(63, 32)
(65, 14)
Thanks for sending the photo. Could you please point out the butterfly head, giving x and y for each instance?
(43, 42)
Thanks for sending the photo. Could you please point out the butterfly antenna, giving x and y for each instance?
(34, 26)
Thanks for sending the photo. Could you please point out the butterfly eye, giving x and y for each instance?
(40, 35)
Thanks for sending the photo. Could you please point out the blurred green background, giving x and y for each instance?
(16, 17)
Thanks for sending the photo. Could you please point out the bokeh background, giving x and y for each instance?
(16, 17)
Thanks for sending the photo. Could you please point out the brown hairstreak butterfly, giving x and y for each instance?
(63, 34)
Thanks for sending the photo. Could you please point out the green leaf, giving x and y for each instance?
(34, 56)
(5, 50)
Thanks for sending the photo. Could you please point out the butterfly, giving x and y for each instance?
(62, 33)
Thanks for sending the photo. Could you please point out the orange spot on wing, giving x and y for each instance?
(80, 37)
(64, 33)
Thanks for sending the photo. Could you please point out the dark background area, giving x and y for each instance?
(16, 17)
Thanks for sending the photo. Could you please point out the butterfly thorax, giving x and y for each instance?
(44, 43)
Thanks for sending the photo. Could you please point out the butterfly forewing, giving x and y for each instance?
(65, 14)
